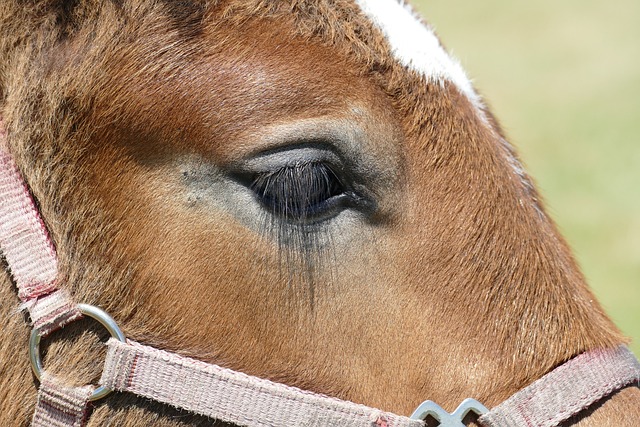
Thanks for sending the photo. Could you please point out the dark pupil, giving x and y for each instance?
(299, 191)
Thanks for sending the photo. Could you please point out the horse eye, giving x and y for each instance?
(301, 191)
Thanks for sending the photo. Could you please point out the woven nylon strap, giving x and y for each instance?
(231, 396)
(59, 405)
(25, 244)
(567, 390)
(249, 401)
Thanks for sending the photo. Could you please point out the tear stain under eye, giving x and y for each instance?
(305, 257)
(298, 198)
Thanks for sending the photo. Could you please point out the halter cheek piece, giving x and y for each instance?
(231, 396)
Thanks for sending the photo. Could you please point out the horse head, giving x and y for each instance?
(309, 192)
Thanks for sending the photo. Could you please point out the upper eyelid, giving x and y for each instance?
(298, 166)
(283, 158)
(322, 168)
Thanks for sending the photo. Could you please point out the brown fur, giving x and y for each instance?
(456, 286)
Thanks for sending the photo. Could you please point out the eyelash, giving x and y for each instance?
(300, 192)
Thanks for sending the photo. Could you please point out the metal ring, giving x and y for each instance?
(88, 310)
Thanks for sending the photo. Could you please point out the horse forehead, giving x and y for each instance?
(261, 71)
(242, 82)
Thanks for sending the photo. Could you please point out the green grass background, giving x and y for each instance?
(563, 78)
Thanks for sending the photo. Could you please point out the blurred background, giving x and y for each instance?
(563, 78)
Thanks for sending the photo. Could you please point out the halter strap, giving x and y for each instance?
(567, 390)
(30, 255)
(59, 405)
(231, 396)
(249, 401)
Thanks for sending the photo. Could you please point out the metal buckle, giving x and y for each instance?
(88, 310)
(446, 419)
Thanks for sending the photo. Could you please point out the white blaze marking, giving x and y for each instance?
(416, 46)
